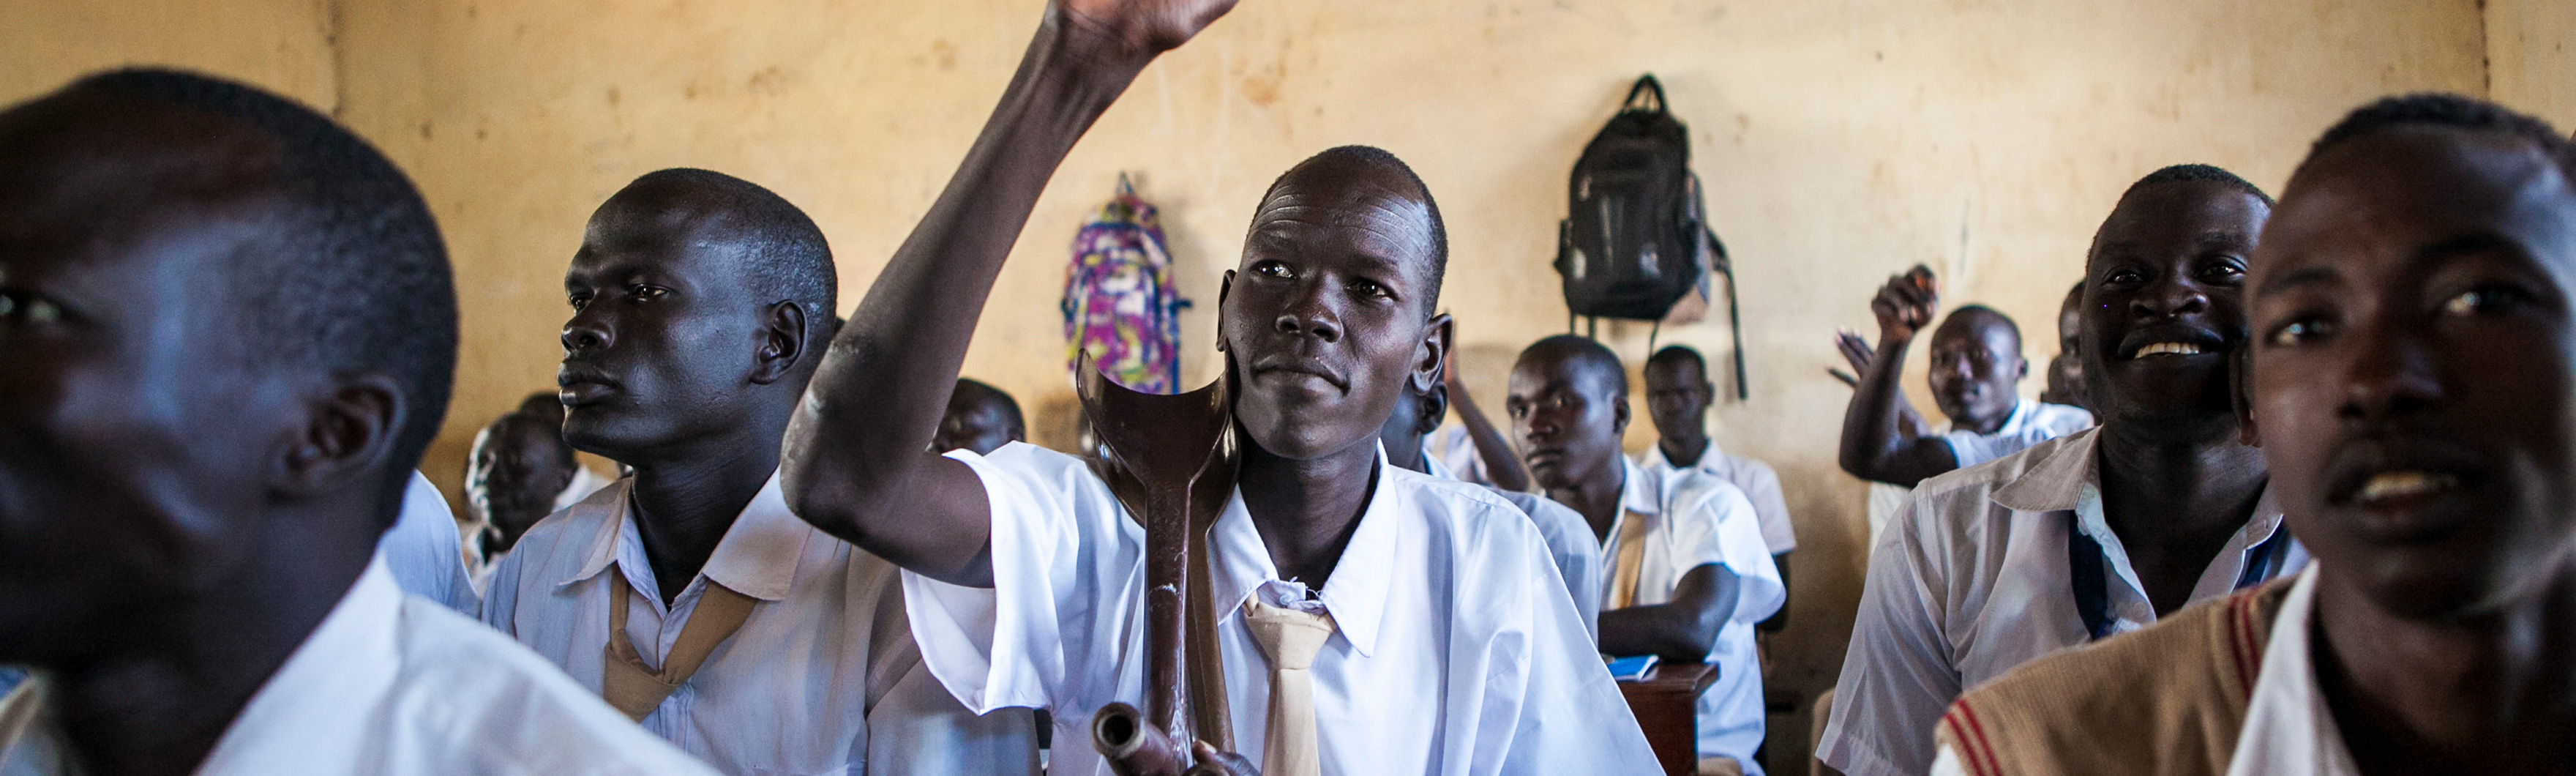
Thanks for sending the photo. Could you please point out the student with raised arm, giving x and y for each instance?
(2414, 385)
(687, 594)
(229, 330)
(1446, 645)
(1687, 572)
(2092, 534)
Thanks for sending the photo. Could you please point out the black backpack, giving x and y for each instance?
(1629, 246)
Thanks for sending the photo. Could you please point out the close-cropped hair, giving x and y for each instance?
(2442, 109)
(357, 278)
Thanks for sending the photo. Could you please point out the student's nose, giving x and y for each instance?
(584, 334)
(2388, 377)
(2170, 298)
(1308, 315)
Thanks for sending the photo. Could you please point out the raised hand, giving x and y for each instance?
(1856, 351)
(1136, 30)
(1904, 306)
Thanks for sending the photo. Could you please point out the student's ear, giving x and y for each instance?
(1619, 415)
(1224, 288)
(1434, 351)
(1435, 406)
(2240, 386)
(782, 343)
(346, 431)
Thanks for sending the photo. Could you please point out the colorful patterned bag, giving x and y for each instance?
(1119, 303)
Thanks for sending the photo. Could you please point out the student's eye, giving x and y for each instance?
(1370, 289)
(578, 301)
(2485, 300)
(26, 308)
(2301, 331)
(644, 293)
(2227, 273)
(2123, 277)
(1274, 269)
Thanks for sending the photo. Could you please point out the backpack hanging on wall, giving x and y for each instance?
(1119, 303)
(1634, 241)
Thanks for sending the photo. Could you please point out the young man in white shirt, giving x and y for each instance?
(1678, 395)
(1688, 572)
(518, 468)
(2088, 535)
(687, 594)
(1569, 541)
(2414, 314)
(1977, 368)
(1447, 646)
(230, 331)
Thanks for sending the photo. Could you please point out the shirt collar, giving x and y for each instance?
(1363, 578)
(332, 682)
(757, 556)
(1641, 491)
(2288, 731)
(2053, 482)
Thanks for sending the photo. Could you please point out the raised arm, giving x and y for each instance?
(1502, 464)
(1882, 440)
(856, 462)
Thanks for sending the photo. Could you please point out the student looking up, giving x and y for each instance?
(2092, 534)
(230, 331)
(686, 593)
(980, 418)
(1688, 575)
(1022, 571)
(1678, 395)
(2414, 388)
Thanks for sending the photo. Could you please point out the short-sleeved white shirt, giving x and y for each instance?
(788, 692)
(1759, 483)
(1569, 542)
(395, 685)
(2029, 424)
(1457, 652)
(1974, 578)
(1696, 520)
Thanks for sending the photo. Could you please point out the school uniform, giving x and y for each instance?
(1759, 483)
(480, 564)
(422, 551)
(1991, 567)
(1442, 644)
(2029, 424)
(1569, 543)
(1669, 525)
(819, 677)
(392, 685)
(2227, 688)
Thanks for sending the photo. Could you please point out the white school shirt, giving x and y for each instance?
(423, 552)
(1569, 542)
(1975, 578)
(480, 565)
(1455, 450)
(2288, 731)
(1759, 483)
(1696, 520)
(395, 685)
(2029, 424)
(1455, 652)
(787, 694)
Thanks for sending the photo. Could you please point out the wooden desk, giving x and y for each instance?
(1666, 703)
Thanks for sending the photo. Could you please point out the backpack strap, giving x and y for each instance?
(1644, 84)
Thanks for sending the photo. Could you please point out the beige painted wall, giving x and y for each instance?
(1841, 142)
(284, 45)
(2531, 57)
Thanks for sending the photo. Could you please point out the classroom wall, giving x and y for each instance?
(1840, 142)
(2531, 57)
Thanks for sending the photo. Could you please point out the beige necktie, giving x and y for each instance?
(1624, 564)
(1290, 638)
(636, 690)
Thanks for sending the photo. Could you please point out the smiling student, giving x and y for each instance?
(2088, 535)
(2414, 388)
(1442, 640)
